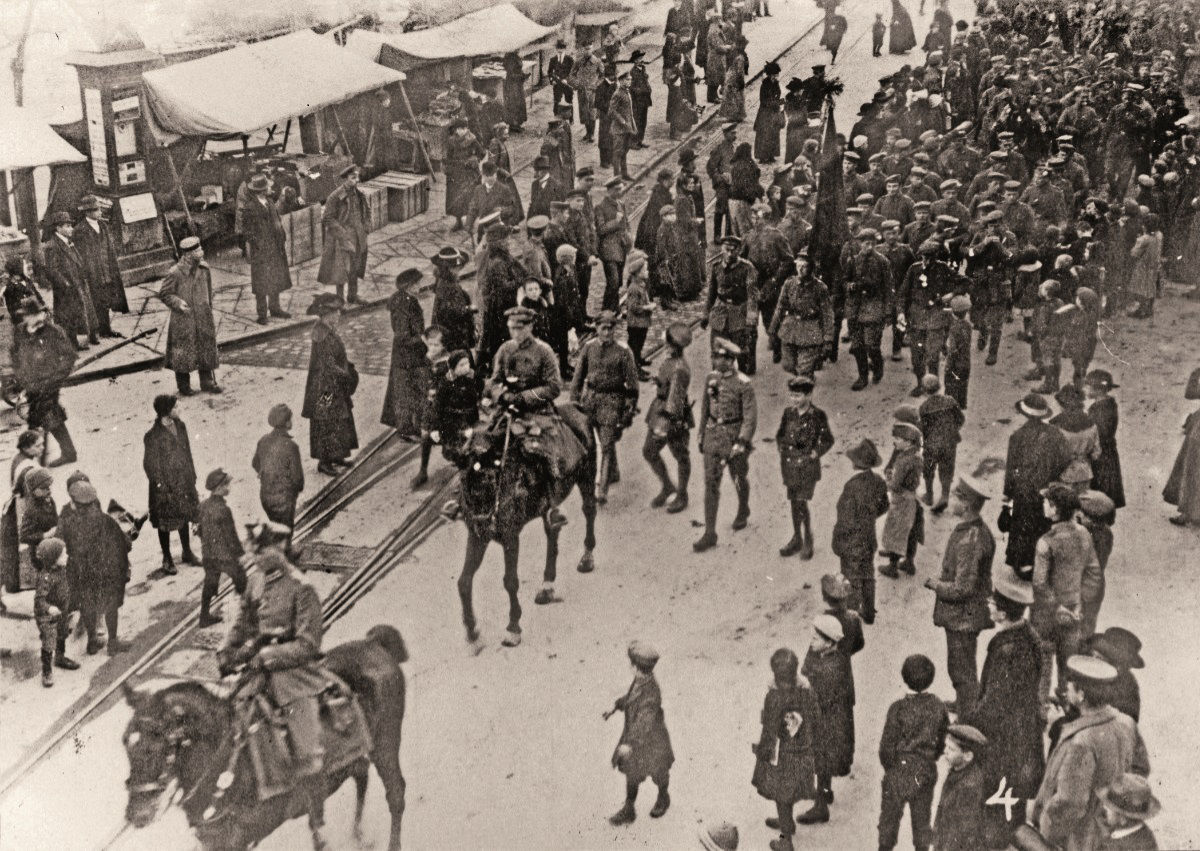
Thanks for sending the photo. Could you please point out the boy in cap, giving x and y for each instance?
(639, 309)
(644, 749)
(941, 419)
(802, 438)
(914, 736)
(280, 473)
(222, 549)
(38, 513)
(864, 499)
(828, 671)
(669, 420)
(1097, 514)
(958, 351)
(959, 822)
(962, 589)
(1126, 805)
(878, 29)
(903, 472)
(51, 608)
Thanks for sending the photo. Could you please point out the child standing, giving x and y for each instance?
(958, 351)
(878, 30)
(941, 420)
(1079, 334)
(1048, 328)
(639, 310)
(959, 822)
(645, 746)
(864, 500)
(280, 474)
(438, 360)
(903, 474)
(914, 736)
(51, 602)
(222, 549)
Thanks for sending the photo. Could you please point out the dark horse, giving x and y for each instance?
(185, 734)
(501, 491)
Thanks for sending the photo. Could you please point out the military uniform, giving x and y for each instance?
(987, 267)
(528, 370)
(669, 422)
(768, 251)
(926, 286)
(732, 305)
(869, 292)
(803, 323)
(606, 386)
(728, 417)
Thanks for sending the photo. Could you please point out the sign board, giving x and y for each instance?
(94, 116)
(138, 208)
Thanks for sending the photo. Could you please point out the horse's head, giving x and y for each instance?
(166, 729)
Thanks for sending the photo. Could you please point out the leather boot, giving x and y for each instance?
(680, 502)
(889, 569)
(66, 446)
(797, 542)
(661, 804)
(314, 792)
(709, 539)
(860, 358)
(665, 493)
(623, 816)
(743, 512)
(605, 478)
(806, 551)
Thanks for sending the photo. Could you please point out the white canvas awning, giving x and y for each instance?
(252, 86)
(27, 141)
(497, 29)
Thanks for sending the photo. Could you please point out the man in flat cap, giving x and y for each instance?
(963, 588)
(958, 825)
(93, 239)
(1092, 753)
(605, 386)
(731, 306)
(894, 204)
(346, 221)
(922, 313)
(192, 334)
(728, 418)
(869, 294)
(615, 240)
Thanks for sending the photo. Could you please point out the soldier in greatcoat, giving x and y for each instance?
(192, 334)
(803, 438)
(645, 746)
(346, 221)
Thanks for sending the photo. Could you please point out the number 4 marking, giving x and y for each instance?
(1003, 797)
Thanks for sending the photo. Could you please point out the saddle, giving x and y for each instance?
(559, 438)
(263, 732)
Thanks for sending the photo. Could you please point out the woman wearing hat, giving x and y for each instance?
(785, 755)
(328, 392)
(1083, 442)
(452, 308)
(97, 564)
(769, 121)
(408, 375)
(1183, 487)
(1102, 411)
(171, 475)
(744, 189)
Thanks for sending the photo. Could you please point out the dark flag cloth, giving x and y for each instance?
(830, 230)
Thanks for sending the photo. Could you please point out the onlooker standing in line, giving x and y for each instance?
(612, 231)
(344, 257)
(172, 477)
(97, 564)
(267, 251)
(408, 377)
(192, 334)
(74, 311)
(42, 358)
(93, 240)
(863, 501)
(1037, 454)
(1106, 469)
(221, 547)
(280, 474)
(328, 392)
(941, 420)
(827, 669)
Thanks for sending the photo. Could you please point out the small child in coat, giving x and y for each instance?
(959, 822)
(1126, 805)
(436, 355)
(903, 474)
(51, 602)
(222, 549)
(1079, 333)
(645, 746)
(941, 420)
(455, 405)
(828, 671)
(878, 30)
(277, 463)
(1049, 326)
(958, 351)
(914, 736)
(863, 501)
(639, 310)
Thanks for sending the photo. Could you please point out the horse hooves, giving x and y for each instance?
(586, 564)
(547, 596)
(511, 639)
(362, 841)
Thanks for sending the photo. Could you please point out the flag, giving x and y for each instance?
(829, 231)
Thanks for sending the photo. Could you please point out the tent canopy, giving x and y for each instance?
(27, 141)
(251, 86)
(497, 29)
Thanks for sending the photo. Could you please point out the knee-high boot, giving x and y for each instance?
(806, 551)
(796, 544)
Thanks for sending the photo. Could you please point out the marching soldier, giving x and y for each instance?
(928, 283)
(987, 264)
(732, 304)
(869, 291)
(803, 322)
(728, 417)
(605, 385)
(900, 257)
(670, 421)
(768, 251)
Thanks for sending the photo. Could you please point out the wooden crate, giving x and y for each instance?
(407, 194)
(376, 205)
(298, 230)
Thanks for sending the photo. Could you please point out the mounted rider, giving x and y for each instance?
(524, 384)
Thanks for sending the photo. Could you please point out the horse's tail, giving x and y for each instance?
(388, 637)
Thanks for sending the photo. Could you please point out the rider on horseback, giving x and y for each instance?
(278, 632)
(525, 380)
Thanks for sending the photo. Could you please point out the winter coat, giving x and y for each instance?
(192, 334)
(172, 476)
(97, 557)
(785, 764)
(1083, 442)
(1106, 468)
(645, 731)
(863, 501)
(612, 231)
(328, 396)
(958, 825)
(1143, 275)
(833, 733)
(1183, 487)
(280, 474)
(452, 312)
(966, 582)
(408, 375)
(769, 121)
(218, 534)
(266, 247)
(346, 220)
(1037, 455)
(99, 257)
(74, 310)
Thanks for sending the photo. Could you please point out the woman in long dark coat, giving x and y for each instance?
(452, 309)
(463, 155)
(828, 670)
(901, 37)
(769, 120)
(681, 97)
(689, 233)
(97, 562)
(408, 375)
(332, 380)
(1183, 487)
(785, 760)
(1106, 470)
(795, 112)
(174, 502)
(514, 91)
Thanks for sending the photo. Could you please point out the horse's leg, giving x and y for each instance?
(587, 495)
(546, 594)
(512, 553)
(476, 547)
(362, 775)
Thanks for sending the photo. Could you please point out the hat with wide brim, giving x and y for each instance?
(1192, 391)
(1008, 585)
(864, 454)
(325, 303)
(1119, 646)
(719, 837)
(450, 256)
(1033, 406)
(1130, 796)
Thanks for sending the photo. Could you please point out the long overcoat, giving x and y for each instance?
(1183, 487)
(1037, 455)
(408, 377)
(345, 219)
(191, 333)
(97, 557)
(833, 686)
(265, 243)
(171, 475)
(73, 307)
(1106, 470)
(332, 380)
(99, 257)
(645, 731)
(785, 764)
